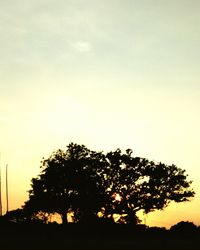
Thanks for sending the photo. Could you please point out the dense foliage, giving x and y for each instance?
(95, 185)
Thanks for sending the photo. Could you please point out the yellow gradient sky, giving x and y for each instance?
(108, 74)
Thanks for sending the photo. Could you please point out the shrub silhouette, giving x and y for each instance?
(184, 227)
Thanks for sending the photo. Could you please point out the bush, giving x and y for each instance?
(184, 227)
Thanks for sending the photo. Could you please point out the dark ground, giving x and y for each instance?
(107, 237)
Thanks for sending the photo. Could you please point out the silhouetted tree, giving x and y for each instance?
(69, 181)
(86, 182)
(136, 184)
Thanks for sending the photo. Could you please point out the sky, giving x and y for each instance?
(107, 74)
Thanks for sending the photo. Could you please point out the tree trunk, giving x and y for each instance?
(64, 218)
(132, 217)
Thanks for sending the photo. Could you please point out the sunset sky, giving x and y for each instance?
(104, 73)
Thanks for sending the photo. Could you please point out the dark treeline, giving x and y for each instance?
(35, 235)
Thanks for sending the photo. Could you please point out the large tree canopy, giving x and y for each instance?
(144, 185)
(69, 181)
(86, 182)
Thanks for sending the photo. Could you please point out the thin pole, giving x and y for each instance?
(7, 187)
(0, 189)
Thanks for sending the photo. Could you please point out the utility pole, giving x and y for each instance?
(7, 208)
(0, 189)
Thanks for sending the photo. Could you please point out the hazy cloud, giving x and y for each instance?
(82, 46)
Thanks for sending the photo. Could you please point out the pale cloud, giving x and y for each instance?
(82, 46)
